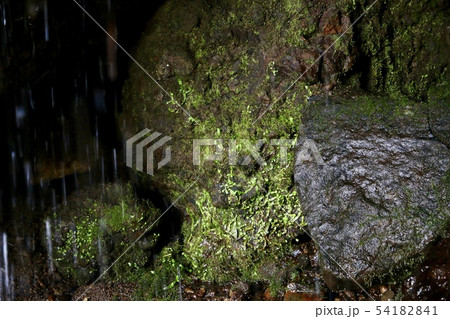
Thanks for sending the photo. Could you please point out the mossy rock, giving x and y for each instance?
(404, 46)
(381, 195)
(95, 228)
(225, 69)
(243, 70)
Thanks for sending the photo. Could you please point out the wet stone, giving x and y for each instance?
(380, 196)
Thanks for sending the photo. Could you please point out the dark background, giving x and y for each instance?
(55, 94)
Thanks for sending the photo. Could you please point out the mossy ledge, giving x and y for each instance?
(224, 64)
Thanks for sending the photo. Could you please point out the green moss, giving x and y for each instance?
(404, 47)
(224, 243)
(163, 280)
(239, 218)
(94, 232)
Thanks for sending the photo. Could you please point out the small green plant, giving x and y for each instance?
(99, 232)
(162, 281)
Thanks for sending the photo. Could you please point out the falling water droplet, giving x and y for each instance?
(20, 115)
(28, 173)
(74, 244)
(4, 14)
(13, 169)
(52, 94)
(46, 27)
(53, 200)
(103, 170)
(115, 164)
(5, 269)
(30, 97)
(49, 244)
(1, 281)
(87, 153)
(64, 191)
(96, 142)
(90, 174)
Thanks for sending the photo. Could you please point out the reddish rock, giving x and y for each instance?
(301, 296)
(268, 295)
(333, 22)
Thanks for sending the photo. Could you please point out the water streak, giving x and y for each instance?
(5, 284)
(46, 27)
(49, 244)
(115, 163)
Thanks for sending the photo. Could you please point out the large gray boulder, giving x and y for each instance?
(381, 193)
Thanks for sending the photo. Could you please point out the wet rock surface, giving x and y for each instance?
(381, 194)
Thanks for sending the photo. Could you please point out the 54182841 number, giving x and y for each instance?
(406, 310)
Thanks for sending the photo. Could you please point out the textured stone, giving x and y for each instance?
(382, 194)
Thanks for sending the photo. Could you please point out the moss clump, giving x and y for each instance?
(163, 280)
(238, 217)
(404, 45)
(96, 228)
(261, 216)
